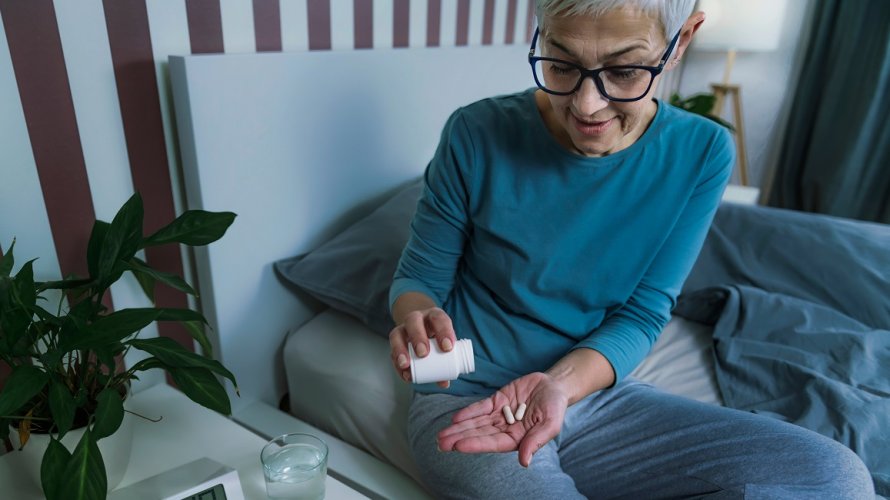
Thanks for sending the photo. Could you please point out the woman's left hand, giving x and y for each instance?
(482, 426)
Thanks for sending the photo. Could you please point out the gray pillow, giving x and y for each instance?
(352, 271)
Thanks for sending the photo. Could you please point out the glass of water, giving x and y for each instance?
(295, 466)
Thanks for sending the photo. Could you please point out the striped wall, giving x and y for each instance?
(86, 112)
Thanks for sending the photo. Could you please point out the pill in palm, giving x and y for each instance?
(508, 414)
(520, 412)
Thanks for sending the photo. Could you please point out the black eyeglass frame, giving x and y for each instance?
(595, 73)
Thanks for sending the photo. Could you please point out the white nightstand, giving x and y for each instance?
(187, 432)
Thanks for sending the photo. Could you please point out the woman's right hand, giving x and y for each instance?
(419, 328)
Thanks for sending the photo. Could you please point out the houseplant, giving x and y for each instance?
(67, 361)
(700, 104)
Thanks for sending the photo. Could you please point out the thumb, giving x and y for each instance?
(535, 439)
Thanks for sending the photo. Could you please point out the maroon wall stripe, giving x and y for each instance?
(510, 32)
(36, 52)
(488, 23)
(205, 26)
(134, 71)
(363, 23)
(318, 13)
(433, 22)
(463, 22)
(267, 25)
(530, 21)
(401, 23)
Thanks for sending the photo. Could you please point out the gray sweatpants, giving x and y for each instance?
(634, 441)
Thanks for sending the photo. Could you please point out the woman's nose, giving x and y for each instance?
(588, 99)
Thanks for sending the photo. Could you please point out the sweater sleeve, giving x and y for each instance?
(441, 225)
(625, 337)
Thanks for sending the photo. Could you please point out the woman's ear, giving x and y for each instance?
(686, 32)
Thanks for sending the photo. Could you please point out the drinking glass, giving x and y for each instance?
(295, 466)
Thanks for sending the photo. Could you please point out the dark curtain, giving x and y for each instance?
(836, 152)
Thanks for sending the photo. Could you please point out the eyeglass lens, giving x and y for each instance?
(618, 82)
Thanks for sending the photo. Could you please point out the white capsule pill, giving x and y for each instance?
(520, 412)
(508, 414)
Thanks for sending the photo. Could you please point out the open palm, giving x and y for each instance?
(482, 427)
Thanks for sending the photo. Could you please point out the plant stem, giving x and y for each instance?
(20, 417)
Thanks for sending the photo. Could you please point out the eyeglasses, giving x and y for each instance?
(624, 83)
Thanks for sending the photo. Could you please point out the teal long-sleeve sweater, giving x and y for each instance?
(534, 250)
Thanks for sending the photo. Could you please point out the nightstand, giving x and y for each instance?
(187, 432)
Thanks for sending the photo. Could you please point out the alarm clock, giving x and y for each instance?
(215, 481)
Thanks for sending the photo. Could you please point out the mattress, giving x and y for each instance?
(340, 380)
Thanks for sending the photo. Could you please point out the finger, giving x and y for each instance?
(477, 409)
(439, 325)
(479, 422)
(444, 384)
(494, 443)
(447, 442)
(535, 439)
(398, 349)
(417, 333)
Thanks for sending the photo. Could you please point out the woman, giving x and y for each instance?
(556, 229)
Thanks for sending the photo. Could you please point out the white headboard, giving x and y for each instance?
(299, 145)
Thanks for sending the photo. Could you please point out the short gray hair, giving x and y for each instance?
(671, 13)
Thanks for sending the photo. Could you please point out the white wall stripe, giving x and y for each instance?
(521, 9)
(448, 24)
(417, 24)
(24, 213)
(96, 106)
(294, 26)
(383, 11)
(500, 22)
(237, 26)
(477, 15)
(342, 27)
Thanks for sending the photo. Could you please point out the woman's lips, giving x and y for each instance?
(591, 128)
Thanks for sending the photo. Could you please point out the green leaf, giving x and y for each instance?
(84, 477)
(148, 364)
(136, 265)
(26, 295)
(4, 428)
(7, 261)
(173, 314)
(194, 227)
(66, 284)
(94, 247)
(109, 413)
(121, 323)
(115, 327)
(147, 283)
(61, 405)
(52, 467)
(173, 354)
(202, 387)
(14, 324)
(196, 330)
(121, 240)
(24, 383)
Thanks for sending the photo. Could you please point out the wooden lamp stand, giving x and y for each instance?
(733, 91)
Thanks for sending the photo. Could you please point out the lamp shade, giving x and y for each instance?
(741, 25)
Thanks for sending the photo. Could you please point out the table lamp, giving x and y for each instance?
(738, 26)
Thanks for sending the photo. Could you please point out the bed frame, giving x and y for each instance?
(300, 145)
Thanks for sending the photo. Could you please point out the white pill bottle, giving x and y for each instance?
(439, 365)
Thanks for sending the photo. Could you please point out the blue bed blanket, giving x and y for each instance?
(800, 305)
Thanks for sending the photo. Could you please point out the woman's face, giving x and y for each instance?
(586, 122)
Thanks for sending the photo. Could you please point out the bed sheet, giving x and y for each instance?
(341, 381)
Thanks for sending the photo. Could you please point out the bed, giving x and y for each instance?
(319, 154)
